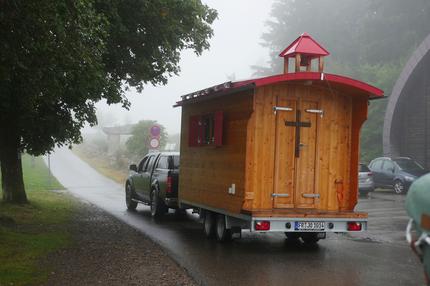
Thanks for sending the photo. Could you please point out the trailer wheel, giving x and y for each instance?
(310, 238)
(292, 236)
(209, 224)
(222, 233)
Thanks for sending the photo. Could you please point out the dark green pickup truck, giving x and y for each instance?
(154, 182)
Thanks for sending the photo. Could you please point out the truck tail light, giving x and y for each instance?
(354, 226)
(369, 174)
(169, 184)
(262, 225)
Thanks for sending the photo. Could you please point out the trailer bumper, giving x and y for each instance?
(271, 224)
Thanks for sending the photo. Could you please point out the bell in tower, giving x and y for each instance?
(304, 50)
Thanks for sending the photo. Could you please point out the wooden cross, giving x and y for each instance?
(298, 124)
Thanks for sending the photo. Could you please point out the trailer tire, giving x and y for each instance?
(222, 233)
(292, 236)
(310, 238)
(209, 224)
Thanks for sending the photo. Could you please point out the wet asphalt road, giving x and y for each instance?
(378, 257)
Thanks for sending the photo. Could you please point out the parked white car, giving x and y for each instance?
(365, 180)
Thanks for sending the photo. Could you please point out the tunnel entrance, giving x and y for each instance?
(407, 119)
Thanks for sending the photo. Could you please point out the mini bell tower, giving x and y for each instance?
(304, 50)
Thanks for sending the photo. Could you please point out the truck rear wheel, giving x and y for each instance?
(157, 205)
(209, 224)
(222, 233)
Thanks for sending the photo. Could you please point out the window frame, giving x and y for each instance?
(149, 161)
(206, 129)
(143, 162)
(387, 163)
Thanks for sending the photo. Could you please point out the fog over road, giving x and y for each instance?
(379, 257)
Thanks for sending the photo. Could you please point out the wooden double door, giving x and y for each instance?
(296, 152)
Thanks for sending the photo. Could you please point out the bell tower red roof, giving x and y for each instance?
(304, 45)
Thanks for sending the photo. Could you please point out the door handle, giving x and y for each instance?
(316, 111)
(311, 195)
(280, 195)
(279, 108)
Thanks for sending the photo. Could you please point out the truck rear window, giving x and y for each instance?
(175, 160)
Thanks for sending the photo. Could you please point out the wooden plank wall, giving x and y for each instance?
(335, 178)
(359, 115)
(261, 151)
(206, 173)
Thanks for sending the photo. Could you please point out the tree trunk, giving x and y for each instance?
(11, 170)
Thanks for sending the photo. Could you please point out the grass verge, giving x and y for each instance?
(28, 233)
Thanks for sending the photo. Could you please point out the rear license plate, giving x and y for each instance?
(309, 225)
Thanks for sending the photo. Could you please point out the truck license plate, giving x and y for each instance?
(309, 225)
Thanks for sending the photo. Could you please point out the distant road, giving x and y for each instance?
(379, 257)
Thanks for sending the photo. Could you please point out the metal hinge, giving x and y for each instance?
(279, 108)
(316, 111)
(280, 195)
(311, 195)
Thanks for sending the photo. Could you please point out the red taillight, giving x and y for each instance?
(262, 225)
(169, 184)
(354, 226)
(369, 174)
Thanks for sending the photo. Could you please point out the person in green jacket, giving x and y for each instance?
(418, 208)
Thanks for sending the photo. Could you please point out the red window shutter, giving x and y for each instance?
(219, 119)
(193, 131)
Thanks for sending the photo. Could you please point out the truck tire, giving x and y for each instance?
(209, 224)
(221, 232)
(157, 205)
(131, 205)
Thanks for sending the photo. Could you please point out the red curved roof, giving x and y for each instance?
(299, 76)
(331, 79)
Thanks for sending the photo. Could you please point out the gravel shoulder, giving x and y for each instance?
(108, 252)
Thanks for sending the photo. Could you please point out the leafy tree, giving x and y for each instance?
(369, 40)
(59, 57)
(138, 144)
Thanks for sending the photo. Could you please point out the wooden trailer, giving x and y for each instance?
(278, 153)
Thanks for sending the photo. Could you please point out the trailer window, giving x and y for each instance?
(208, 122)
(206, 130)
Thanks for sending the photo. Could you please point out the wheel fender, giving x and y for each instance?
(129, 182)
(398, 178)
(154, 185)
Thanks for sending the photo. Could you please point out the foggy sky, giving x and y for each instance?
(235, 46)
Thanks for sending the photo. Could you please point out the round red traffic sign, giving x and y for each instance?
(154, 143)
(155, 131)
